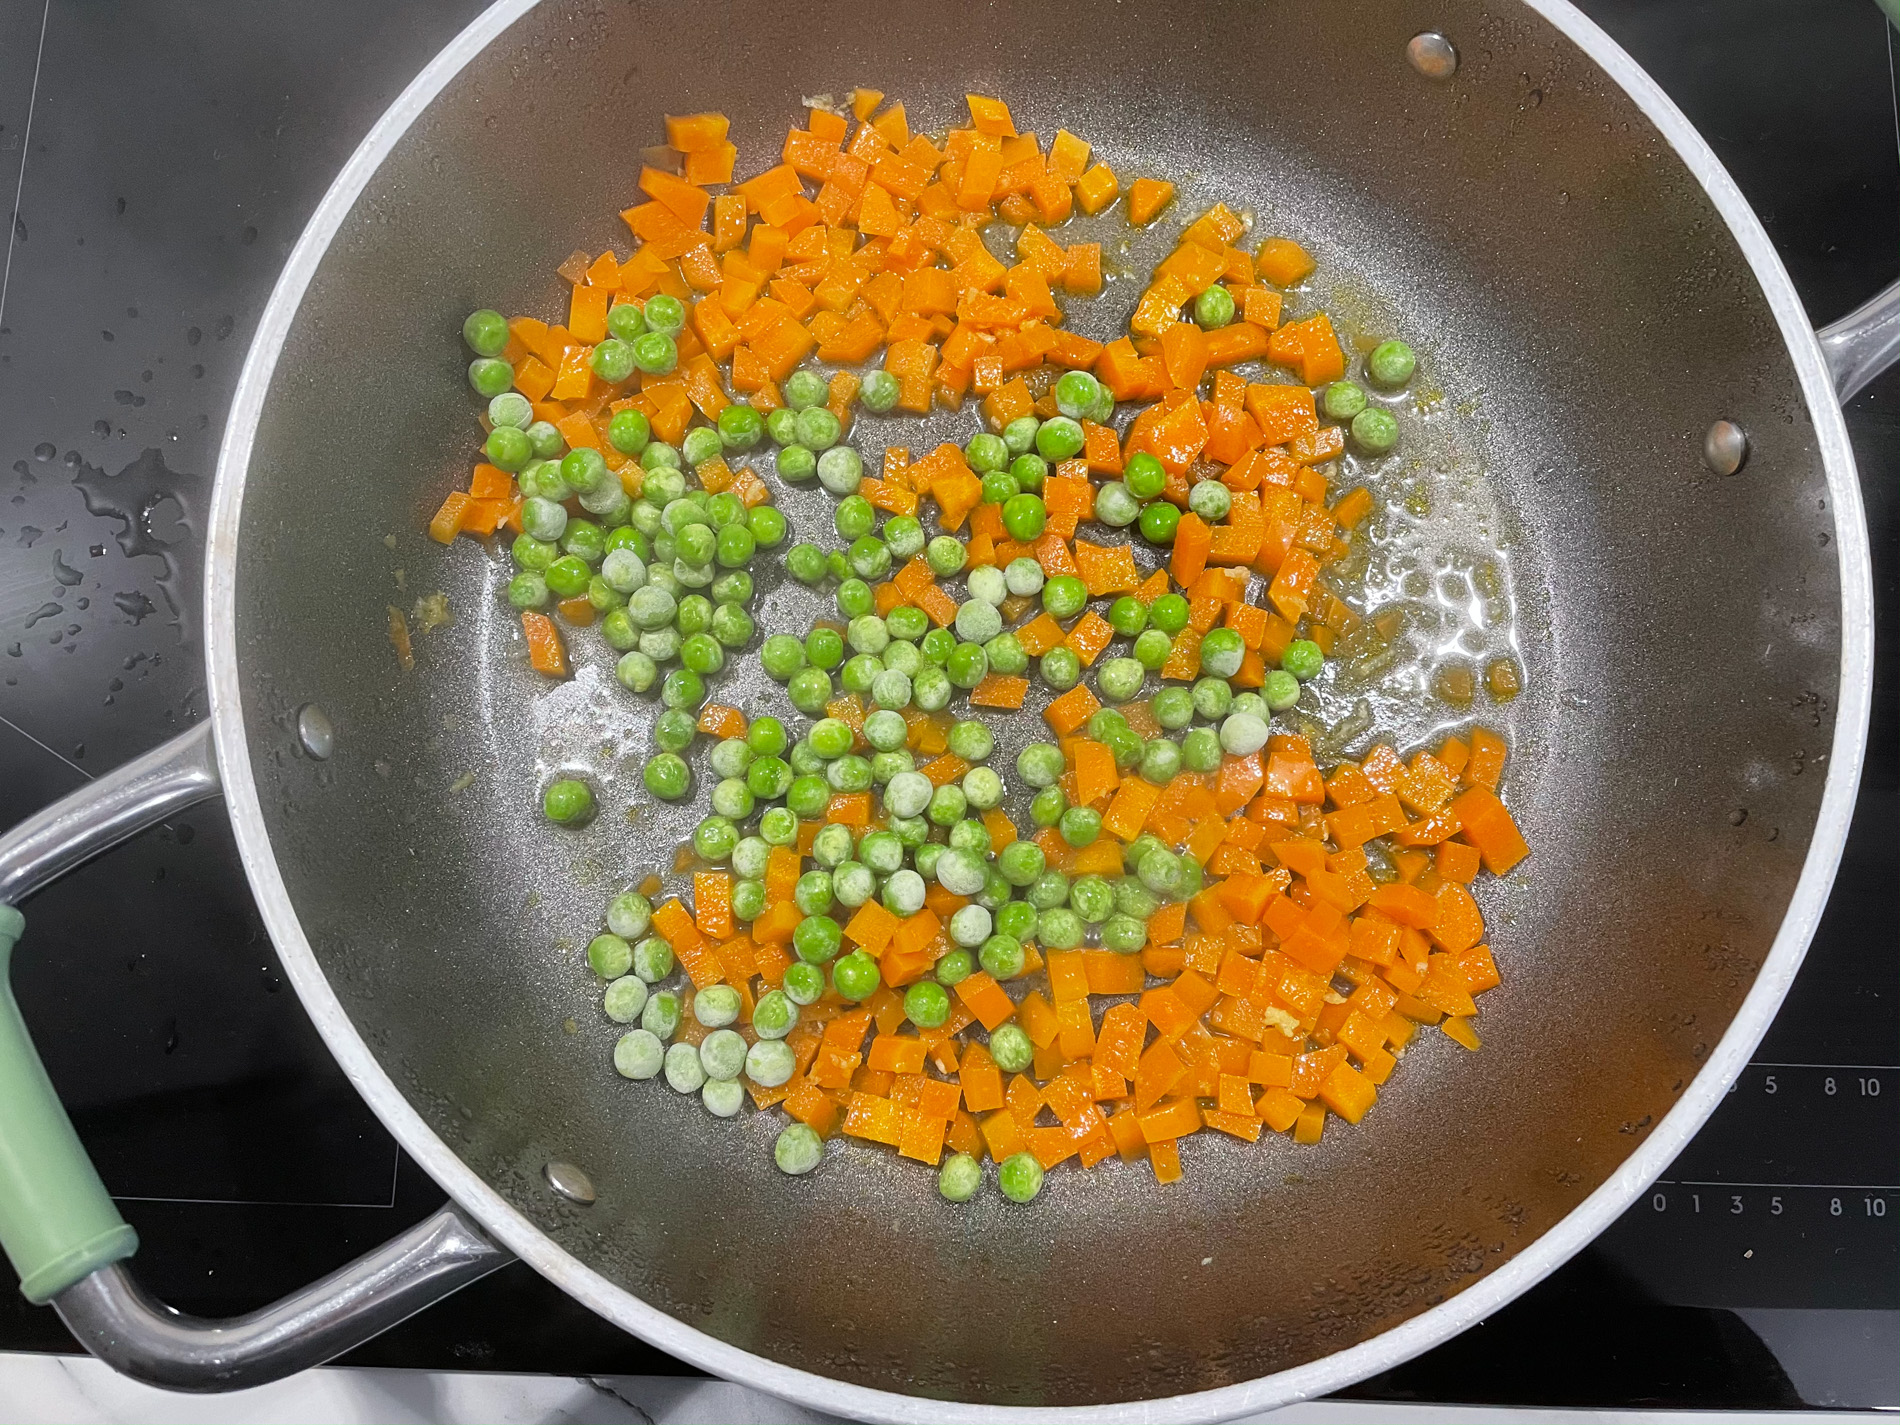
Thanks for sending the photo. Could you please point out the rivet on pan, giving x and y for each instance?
(570, 1182)
(1431, 55)
(315, 732)
(1725, 448)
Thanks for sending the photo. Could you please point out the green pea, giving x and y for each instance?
(1152, 649)
(666, 776)
(1076, 393)
(1222, 651)
(904, 536)
(860, 672)
(840, 469)
(1159, 520)
(855, 976)
(1214, 308)
(567, 801)
(528, 591)
(803, 983)
(781, 655)
(722, 1053)
(638, 1053)
(810, 690)
(906, 622)
(732, 626)
(798, 1149)
(1024, 577)
(1169, 613)
(1242, 734)
(1024, 517)
(625, 320)
(778, 826)
(609, 956)
(684, 1072)
(1281, 690)
(1092, 898)
(770, 1062)
(999, 487)
(1213, 698)
(1128, 616)
(955, 967)
(946, 556)
(748, 899)
(938, 645)
(1303, 659)
(1061, 438)
(1391, 364)
(624, 999)
(655, 353)
(1064, 596)
(1210, 499)
(1144, 476)
(1201, 750)
(1029, 470)
(485, 331)
(1080, 826)
(1343, 400)
(978, 621)
(878, 391)
(1011, 1048)
(1059, 928)
(511, 408)
(508, 448)
(636, 671)
(768, 526)
(1005, 655)
(1120, 679)
(1001, 956)
(740, 427)
(808, 796)
(968, 665)
(629, 914)
(868, 557)
(1375, 431)
(652, 959)
(661, 1017)
(664, 314)
(1060, 668)
(959, 1178)
(774, 1015)
(732, 800)
(855, 599)
(986, 452)
(674, 730)
(612, 361)
(546, 440)
(817, 938)
(490, 377)
(796, 463)
(818, 429)
(824, 648)
(683, 688)
(971, 835)
(805, 388)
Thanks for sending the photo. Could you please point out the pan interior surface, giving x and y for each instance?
(1582, 315)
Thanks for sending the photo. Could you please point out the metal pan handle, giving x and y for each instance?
(60, 1228)
(1863, 343)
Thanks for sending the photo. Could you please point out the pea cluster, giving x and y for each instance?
(1375, 431)
(636, 967)
(667, 572)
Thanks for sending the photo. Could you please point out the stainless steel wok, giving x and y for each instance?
(1592, 297)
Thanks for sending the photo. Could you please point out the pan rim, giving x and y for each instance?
(1409, 1338)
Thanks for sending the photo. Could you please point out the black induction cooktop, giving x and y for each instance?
(167, 153)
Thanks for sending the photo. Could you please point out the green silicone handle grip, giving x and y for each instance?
(56, 1221)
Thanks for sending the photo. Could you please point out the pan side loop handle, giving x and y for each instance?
(60, 1228)
(1863, 343)
(57, 1222)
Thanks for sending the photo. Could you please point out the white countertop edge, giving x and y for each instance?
(77, 1390)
